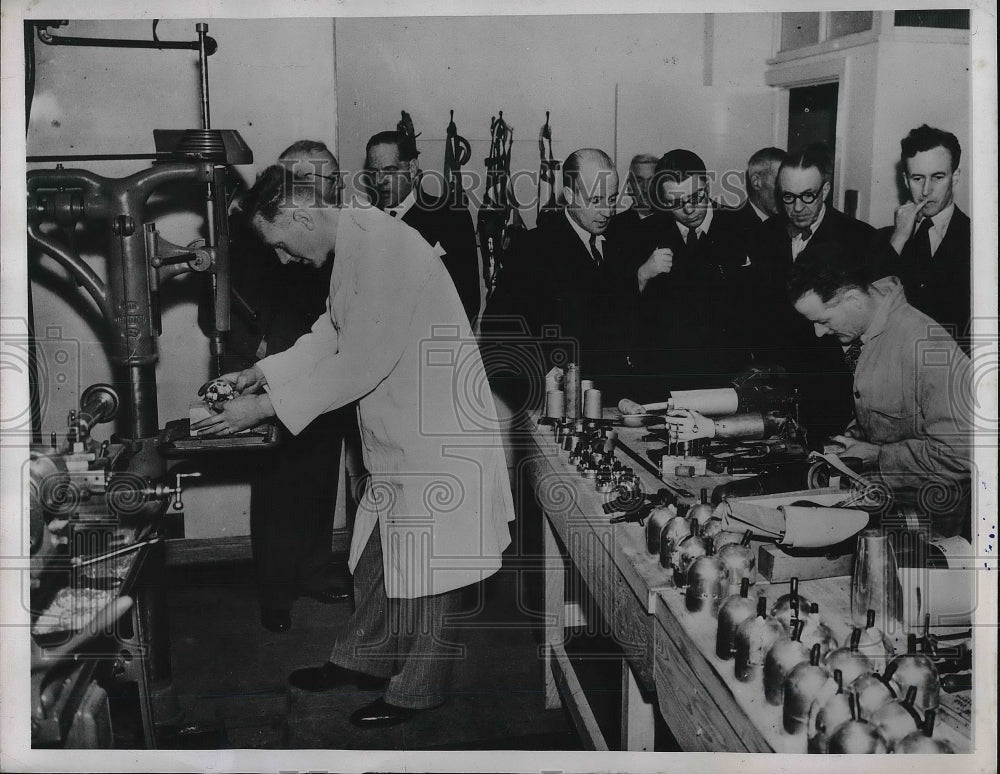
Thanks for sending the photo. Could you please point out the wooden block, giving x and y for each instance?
(670, 466)
(573, 615)
(775, 565)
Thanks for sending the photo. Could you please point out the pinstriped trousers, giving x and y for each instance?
(404, 640)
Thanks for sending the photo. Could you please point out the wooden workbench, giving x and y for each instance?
(669, 653)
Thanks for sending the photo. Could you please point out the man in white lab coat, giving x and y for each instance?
(434, 517)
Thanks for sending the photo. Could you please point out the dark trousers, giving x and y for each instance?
(292, 504)
(405, 640)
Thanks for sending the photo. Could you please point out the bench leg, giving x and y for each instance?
(637, 714)
(555, 599)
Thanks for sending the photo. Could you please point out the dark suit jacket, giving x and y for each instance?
(816, 366)
(554, 305)
(689, 320)
(287, 299)
(941, 289)
(452, 227)
(750, 224)
(634, 237)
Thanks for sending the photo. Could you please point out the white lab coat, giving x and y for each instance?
(396, 338)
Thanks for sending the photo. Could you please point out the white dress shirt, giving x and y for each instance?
(585, 235)
(798, 243)
(939, 227)
(702, 228)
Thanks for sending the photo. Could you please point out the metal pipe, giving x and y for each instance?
(209, 44)
(85, 276)
(29, 74)
(97, 157)
(149, 230)
(145, 420)
(202, 29)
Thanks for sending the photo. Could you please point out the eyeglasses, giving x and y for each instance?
(336, 179)
(384, 172)
(806, 197)
(698, 197)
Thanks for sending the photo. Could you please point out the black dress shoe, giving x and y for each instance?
(330, 676)
(331, 595)
(380, 714)
(276, 619)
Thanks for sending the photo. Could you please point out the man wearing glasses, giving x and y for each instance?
(293, 493)
(394, 186)
(689, 287)
(818, 368)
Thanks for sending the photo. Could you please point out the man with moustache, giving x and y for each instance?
(394, 180)
(928, 248)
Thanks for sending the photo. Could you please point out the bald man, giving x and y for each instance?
(557, 298)
(293, 492)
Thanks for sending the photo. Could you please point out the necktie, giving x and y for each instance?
(594, 252)
(692, 241)
(851, 355)
(922, 242)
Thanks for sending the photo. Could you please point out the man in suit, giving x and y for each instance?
(691, 286)
(761, 186)
(628, 230)
(816, 367)
(294, 491)
(394, 178)
(928, 248)
(556, 300)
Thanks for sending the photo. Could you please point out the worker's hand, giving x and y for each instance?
(660, 261)
(905, 221)
(238, 414)
(862, 450)
(687, 425)
(247, 381)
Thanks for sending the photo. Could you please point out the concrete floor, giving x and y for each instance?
(230, 673)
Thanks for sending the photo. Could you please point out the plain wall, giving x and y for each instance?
(741, 45)
(271, 80)
(524, 66)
